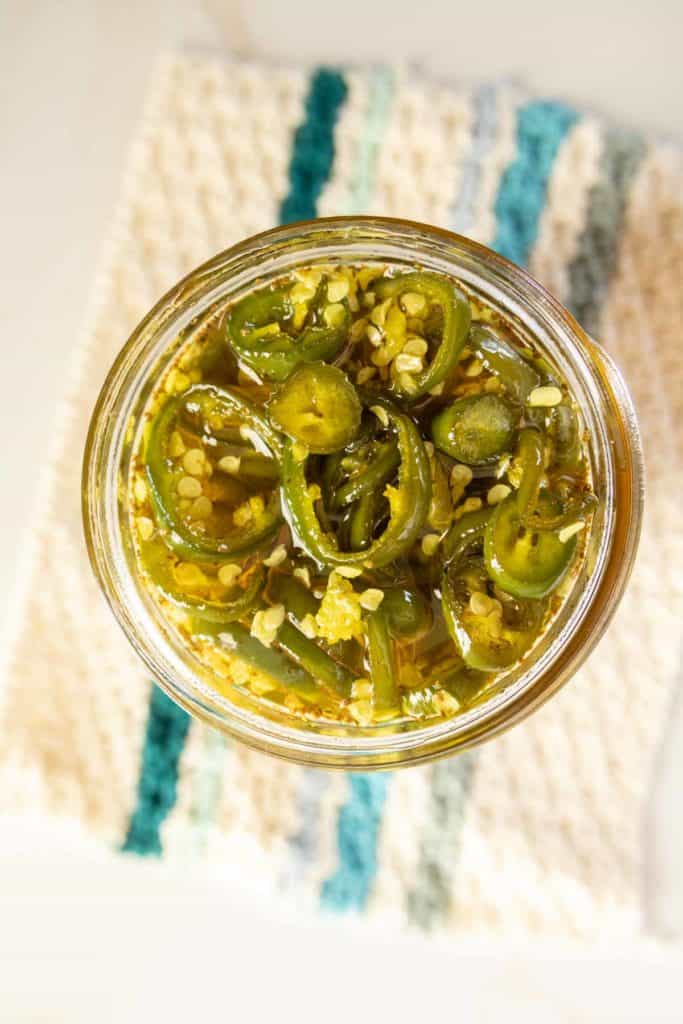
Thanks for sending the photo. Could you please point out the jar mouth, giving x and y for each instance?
(615, 451)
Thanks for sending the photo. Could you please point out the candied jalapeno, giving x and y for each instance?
(455, 323)
(318, 406)
(166, 483)
(261, 330)
(475, 430)
(371, 517)
(479, 624)
(408, 500)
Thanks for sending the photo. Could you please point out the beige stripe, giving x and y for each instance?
(209, 166)
(556, 806)
(257, 811)
(399, 847)
(419, 165)
(483, 227)
(576, 170)
(76, 703)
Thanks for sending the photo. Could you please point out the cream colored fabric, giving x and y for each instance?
(551, 838)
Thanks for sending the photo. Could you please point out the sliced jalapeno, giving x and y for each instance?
(367, 476)
(408, 501)
(160, 563)
(523, 561)
(517, 375)
(485, 638)
(318, 406)
(475, 430)
(402, 614)
(207, 400)
(261, 331)
(456, 317)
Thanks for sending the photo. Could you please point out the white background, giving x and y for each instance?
(75, 926)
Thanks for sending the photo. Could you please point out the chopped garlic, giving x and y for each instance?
(337, 290)
(176, 445)
(201, 507)
(266, 623)
(406, 363)
(194, 462)
(413, 303)
(474, 369)
(303, 573)
(140, 489)
(334, 315)
(415, 347)
(468, 505)
(365, 374)
(189, 575)
(308, 626)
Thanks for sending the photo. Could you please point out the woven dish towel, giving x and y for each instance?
(538, 831)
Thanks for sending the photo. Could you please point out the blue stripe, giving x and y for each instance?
(358, 828)
(484, 131)
(313, 146)
(541, 129)
(167, 726)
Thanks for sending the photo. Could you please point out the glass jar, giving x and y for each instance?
(616, 463)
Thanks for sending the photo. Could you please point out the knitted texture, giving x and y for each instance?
(540, 830)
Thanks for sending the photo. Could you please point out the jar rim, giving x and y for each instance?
(519, 295)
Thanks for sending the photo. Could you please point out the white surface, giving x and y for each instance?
(87, 937)
(75, 73)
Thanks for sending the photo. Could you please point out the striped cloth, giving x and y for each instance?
(538, 831)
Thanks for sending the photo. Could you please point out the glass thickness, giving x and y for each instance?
(616, 466)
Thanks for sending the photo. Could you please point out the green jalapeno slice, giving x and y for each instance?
(456, 317)
(318, 406)
(408, 500)
(475, 430)
(403, 614)
(518, 376)
(261, 332)
(482, 631)
(206, 400)
(524, 561)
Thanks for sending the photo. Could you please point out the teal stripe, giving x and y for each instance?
(358, 828)
(379, 109)
(313, 148)
(167, 726)
(429, 901)
(592, 268)
(541, 129)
